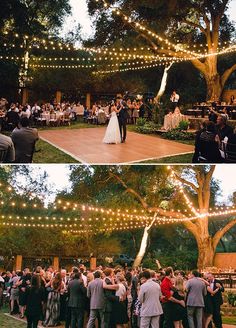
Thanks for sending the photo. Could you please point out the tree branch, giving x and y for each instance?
(201, 28)
(200, 66)
(166, 52)
(222, 232)
(188, 183)
(158, 210)
(190, 226)
(227, 74)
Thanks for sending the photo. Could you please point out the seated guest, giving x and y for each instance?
(212, 116)
(225, 113)
(12, 118)
(7, 145)
(231, 147)
(197, 141)
(232, 100)
(208, 145)
(24, 139)
(223, 130)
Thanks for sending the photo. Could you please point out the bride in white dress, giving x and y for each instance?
(112, 135)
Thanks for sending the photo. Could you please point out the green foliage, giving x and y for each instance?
(141, 121)
(231, 298)
(183, 125)
(148, 128)
(177, 134)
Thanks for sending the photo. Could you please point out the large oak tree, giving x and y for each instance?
(184, 22)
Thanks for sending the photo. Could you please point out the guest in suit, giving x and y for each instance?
(77, 293)
(110, 298)
(141, 109)
(217, 299)
(149, 297)
(196, 292)
(97, 301)
(122, 118)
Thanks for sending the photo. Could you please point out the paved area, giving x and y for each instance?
(86, 146)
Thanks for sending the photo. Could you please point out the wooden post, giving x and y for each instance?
(25, 96)
(18, 263)
(56, 263)
(58, 97)
(93, 263)
(88, 100)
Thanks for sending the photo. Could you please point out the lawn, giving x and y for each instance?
(186, 158)
(73, 125)
(46, 153)
(6, 322)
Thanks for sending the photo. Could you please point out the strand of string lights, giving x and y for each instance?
(119, 12)
(176, 46)
(125, 213)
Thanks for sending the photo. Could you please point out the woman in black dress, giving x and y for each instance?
(178, 311)
(34, 296)
(119, 310)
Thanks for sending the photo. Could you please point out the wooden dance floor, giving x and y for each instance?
(85, 145)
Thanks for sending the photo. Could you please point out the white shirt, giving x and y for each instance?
(175, 98)
(85, 280)
(121, 291)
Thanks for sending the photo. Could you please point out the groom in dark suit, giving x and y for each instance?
(122, 118)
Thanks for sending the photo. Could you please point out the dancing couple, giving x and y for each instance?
(116, 129)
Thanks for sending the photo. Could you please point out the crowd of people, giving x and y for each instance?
(56, 114)
(113, 298)
(215, 141)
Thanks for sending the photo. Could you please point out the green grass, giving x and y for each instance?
(229, 320)
(73, 125)
(186, 158)
(6, 322)
(46, 153)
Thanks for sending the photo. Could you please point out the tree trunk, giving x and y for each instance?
(163, 84)
(206, 253)
(142, 249)
(213, 82)
(214, 89)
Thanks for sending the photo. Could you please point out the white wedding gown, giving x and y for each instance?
(112, 135)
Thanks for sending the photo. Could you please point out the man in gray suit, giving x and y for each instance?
(149, 297)
(196, 290)
(95, 293)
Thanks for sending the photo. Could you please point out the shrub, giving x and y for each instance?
(183, 125)
(231, 299)
(141, 121)
(177, 134)
(148, 128)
